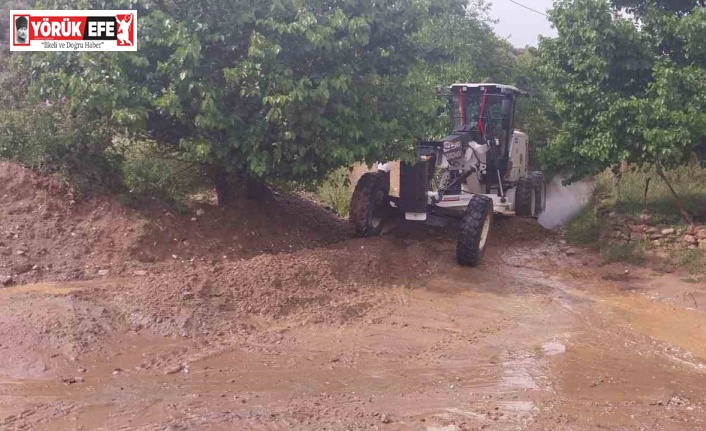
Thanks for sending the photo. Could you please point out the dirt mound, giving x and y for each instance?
(330, 286)
(509, 230)
(45, 234)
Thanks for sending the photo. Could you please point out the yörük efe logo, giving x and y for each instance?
(74, 30)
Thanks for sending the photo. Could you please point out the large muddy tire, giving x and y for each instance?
(540, 190)
(370, 204)
(526, 197)
(447, 178)
(475, 229)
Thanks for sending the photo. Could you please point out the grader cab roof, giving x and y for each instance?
(499, 88)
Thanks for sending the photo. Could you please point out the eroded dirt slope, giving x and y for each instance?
(46, 234)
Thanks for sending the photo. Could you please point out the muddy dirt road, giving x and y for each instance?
(270, 317)
(532, 340)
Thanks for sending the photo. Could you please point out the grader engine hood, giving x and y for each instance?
(455, 145)
(461, 135)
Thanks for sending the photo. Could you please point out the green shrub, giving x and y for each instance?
(147, 170)
(336, 192)
(584, 229)
(52, 138)
(623, 252)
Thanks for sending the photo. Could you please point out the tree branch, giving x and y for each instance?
(682, 210)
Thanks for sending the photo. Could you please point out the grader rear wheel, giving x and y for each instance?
(370, 204)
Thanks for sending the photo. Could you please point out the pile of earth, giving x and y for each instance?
(48, 234)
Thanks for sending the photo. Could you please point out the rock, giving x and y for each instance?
(22, 268)
(656, 236)
(652, 230)
(82, 370)
(103, 272)
(187, 295)
(173, 370)
(200, 212)
(662, 254)
(140, 273)
(20, 252)
(6, 252)
(702, 244)
(553, 348)
(701, 234)
(669, 231)
(5, 280)
(571, 252)
(637, 236)
(690, 239)
(386, 419)
(638, 228)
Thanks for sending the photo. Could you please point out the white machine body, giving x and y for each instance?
(475, 157)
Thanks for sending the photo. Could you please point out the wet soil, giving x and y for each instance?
(344, 334)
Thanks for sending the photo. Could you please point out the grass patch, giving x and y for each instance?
(689, 182)
(584, 229)
(623, 252)
(694, 261)
(336, 191)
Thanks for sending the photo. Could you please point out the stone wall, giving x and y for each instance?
(641, 229)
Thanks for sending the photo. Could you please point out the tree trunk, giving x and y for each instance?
(618, 194)
(647, 188)
(230, 187)
(256, 189)
(225, 189)
(682, 210)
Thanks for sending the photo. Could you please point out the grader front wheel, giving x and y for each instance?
(475, 229)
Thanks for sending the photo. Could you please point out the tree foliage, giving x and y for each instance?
(626, 88)
(283, 89)
(278, 89)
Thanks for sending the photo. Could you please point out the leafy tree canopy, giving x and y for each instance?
(278, 89)
(626, 88)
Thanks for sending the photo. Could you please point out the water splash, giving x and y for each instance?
(563, 202)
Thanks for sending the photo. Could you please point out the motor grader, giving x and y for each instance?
(479, 170)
